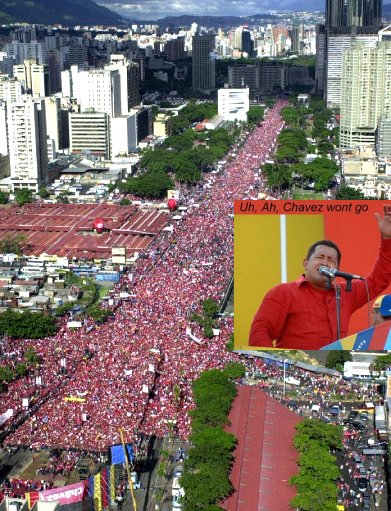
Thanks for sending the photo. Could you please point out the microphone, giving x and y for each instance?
(334, 272)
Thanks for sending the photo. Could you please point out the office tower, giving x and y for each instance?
(244, 75)
(34, 77)
(78, 55)
(347, 21)
(129, 84)
(89, 134)
(22, 72)
(366, 93)
(233, 104)
(54, 64)
(27, 143)
(295, 38)
(342, 14)
(53, 120)
(203, 61)
(247, 43)
(40, 80)
(175, 49)
(320, 64)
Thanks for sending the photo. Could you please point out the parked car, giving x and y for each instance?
(363, 484)
(334, 410)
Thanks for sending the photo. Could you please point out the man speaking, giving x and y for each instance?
(303, 314)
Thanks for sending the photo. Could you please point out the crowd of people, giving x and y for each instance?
(141, 364)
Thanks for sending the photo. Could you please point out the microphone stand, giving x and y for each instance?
(338, 301)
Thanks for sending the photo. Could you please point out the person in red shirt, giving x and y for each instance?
(302, 314)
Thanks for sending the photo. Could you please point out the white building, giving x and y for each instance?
(10, 89)
(336, 45)
(99, 89)
(89, 134)
(53, 120)
(365, 93)
(233, 104)
(27, 143)
(123, 134)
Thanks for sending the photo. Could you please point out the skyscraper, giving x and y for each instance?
(347, 21)
(203, 60)
(27, 143)
(342, 14)
(366, 93)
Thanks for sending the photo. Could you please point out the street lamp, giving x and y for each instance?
(284, 383)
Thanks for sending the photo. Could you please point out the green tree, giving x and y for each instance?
(255, 115)
(348, 193)
(125, 202)
(337, 358)
(97, 314)
(26, 325)
(43, 193)
(152, 185)
(23, 196)
(4, 198)
(12, 244)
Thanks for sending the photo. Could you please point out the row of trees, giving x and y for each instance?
(183, 156)
(316, 481)
(205, 477)
(26, 325)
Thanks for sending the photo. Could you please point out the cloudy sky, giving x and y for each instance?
(155, 9)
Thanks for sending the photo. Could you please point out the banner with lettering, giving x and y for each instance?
(64, 494)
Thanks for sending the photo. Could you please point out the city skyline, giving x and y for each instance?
(155, 9)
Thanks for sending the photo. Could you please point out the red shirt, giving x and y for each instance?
(298, 316)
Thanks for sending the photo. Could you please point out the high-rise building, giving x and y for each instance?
(53, 120)
(89, 134)
(203, 62)
(342, 14)
(27, 143)
(244, 75)
(347, 21)
(320, 65)
(129, 84)
(10, 89)
(366, 93)
(233, 104)
(175, 49)
(383, 138)
(34, 77)
(99, 89)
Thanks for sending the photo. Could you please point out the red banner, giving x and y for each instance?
(65, 494)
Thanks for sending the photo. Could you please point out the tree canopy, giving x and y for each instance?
(26, 325)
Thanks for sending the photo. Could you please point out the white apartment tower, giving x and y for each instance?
(27, 143)
(365, 93)
(99, 89)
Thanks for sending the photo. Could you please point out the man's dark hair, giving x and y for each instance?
(327, 243)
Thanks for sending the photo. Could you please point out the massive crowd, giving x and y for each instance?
(141, 365)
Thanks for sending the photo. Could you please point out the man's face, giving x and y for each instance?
(323, 256)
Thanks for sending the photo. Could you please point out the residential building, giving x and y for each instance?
(27, 143)
(366, 93)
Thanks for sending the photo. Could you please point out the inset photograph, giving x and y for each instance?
(306, 274)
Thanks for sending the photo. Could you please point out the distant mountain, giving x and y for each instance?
(211, 21)
(66, 12)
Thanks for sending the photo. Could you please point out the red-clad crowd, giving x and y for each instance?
(139, 367)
